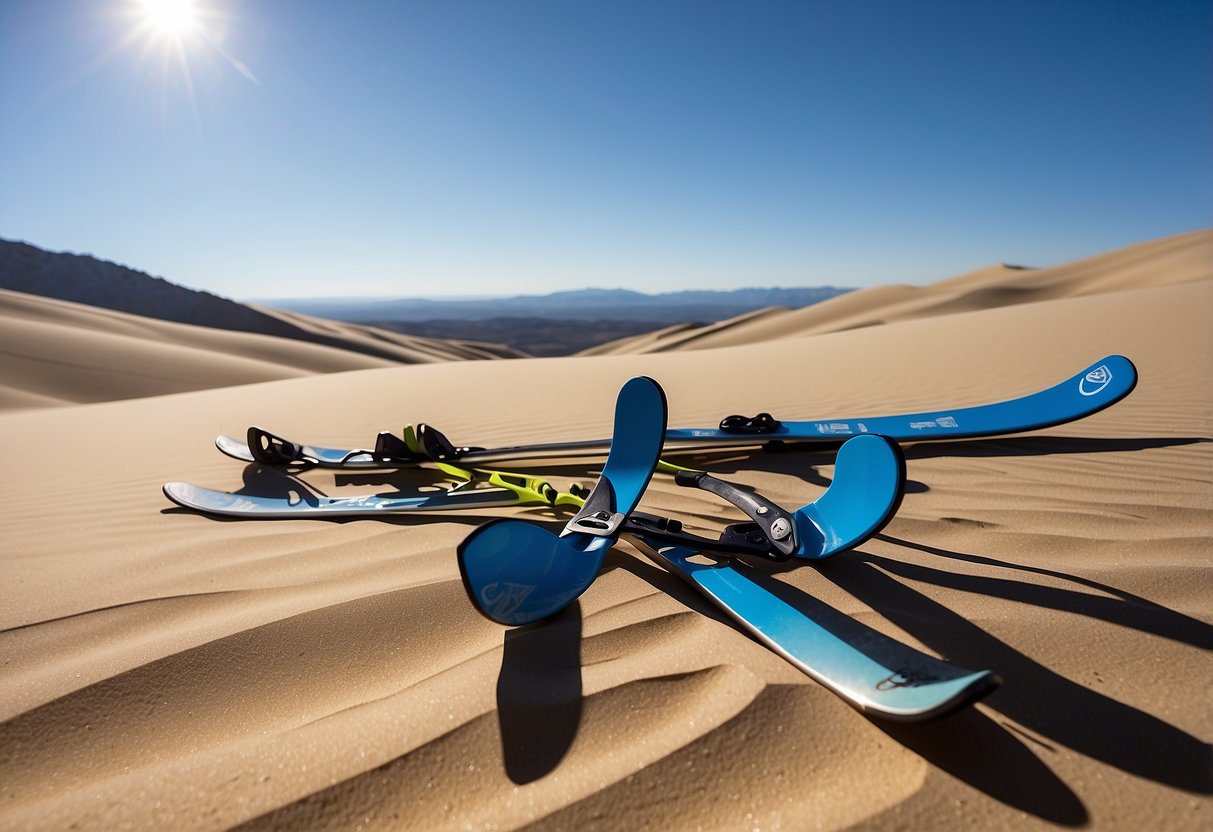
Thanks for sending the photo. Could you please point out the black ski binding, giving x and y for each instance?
(437, 447)
(750, 425)
(270, 449)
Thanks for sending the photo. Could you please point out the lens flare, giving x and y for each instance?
(171, 18)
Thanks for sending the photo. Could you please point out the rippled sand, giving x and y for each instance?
(164, 668)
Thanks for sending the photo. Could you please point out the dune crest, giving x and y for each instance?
(1183, 258)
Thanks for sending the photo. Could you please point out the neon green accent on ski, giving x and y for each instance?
(411, 441)
(529, 490)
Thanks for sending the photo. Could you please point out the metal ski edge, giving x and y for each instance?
(855, 677)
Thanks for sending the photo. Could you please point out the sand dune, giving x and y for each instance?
(58, 352)
(164, 668)
(1183, 258)
(407, 349)
(683, 335)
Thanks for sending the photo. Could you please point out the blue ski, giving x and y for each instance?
(1104, 383)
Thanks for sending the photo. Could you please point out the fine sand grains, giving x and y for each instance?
(164, 668)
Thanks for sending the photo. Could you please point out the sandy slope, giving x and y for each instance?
(101, 284)
(58, 352)
(165, 668)
(407, 349)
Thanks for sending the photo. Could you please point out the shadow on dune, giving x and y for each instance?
(539, 694)
(539, 690)
(974, 749)
(968, 744)
(1036, 697)
(802, 460)
(797, 457)
(1044, 446)
(1125, 609)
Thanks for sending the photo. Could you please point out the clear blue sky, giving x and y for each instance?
(406, 148)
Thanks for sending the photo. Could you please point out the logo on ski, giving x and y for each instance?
(907, 679)
(1095, 381)
(941, 422)
(504, 598)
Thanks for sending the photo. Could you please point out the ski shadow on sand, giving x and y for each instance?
(803, 459)
(1044, 446)
(539, 694)
(990, 754)
(969, 745)
(1056, 709)
(795, 457)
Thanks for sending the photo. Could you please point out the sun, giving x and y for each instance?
(170, 18)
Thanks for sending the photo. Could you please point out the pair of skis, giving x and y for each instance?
(516, 572)
(1104, 383)
(883, 677)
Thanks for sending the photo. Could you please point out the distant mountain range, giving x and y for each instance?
(407, 330)
(580, 305)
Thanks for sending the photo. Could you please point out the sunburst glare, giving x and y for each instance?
(170, 18)
(182, 36)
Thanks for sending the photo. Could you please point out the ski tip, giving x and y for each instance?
(641, 396)
(176, 492)
(234, 448)
(1109, 379)
(636, 442)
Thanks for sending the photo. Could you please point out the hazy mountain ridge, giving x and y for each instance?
(407, 330)
(581, 304)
